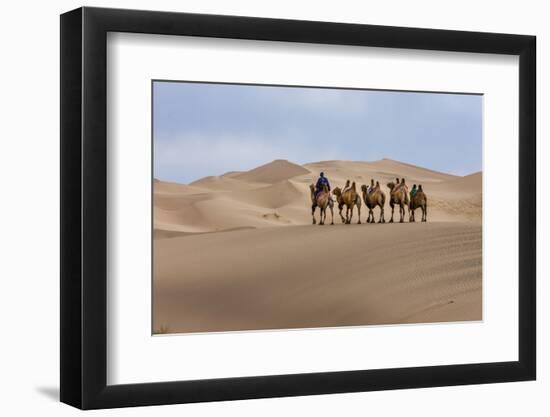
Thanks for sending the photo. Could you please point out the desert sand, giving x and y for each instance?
(238, 252)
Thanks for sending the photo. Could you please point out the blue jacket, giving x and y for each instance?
(320, 182)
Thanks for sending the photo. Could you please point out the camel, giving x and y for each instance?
(375, 197)
(419, 201)
(401, 184)
(323, 200)
(338, 193)
(350, 199)
(399, 195)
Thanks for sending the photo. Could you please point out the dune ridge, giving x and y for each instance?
(273, 172)
(277, 194)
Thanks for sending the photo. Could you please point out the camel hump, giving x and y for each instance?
(353, 185)
(420, 187)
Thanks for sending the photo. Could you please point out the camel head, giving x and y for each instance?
(337, 192)
(390, 185)
(312, 189)
(402, 180)
(364, 188)
(420, 188)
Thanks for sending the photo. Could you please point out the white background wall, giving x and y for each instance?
(29, 207)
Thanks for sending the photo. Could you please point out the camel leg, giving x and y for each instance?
(313, 213)
(411, 216)
(358, 214)
(401, 213)
(381, 219)
(425, 213)
(340, 208)
(331, 214)
(321, 217)
(392, 209)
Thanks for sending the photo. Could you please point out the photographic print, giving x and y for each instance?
(294, 207)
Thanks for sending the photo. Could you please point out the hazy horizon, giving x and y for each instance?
(314, 162)
(202, 129)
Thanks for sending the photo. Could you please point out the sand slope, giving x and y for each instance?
(326, 276)
(272, 172)
(278, 193)
(238, 252)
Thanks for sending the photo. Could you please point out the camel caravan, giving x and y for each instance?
(373, 196)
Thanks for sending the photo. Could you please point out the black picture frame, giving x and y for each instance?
(84, 207)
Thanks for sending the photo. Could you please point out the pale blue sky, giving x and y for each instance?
(202, 129)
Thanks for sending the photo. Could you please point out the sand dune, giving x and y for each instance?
(309, 276)
(406, 170)
(272, 196)
(238, 251)
(273, 172)
(163, 187)
(383, 170)
(224, 184)
(277, 193)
